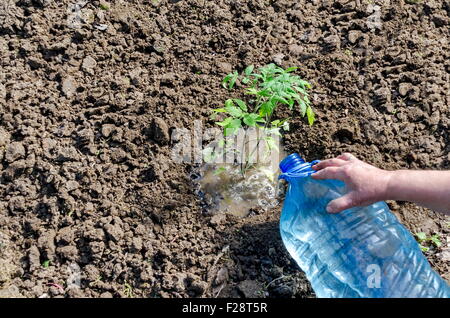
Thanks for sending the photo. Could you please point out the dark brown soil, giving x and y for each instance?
(85, 120)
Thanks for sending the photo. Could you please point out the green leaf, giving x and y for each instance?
(251, 91)
(306, 84)
(421, 236)
(233, 80)
(435, 240)
(104, 6)
(46, 264)
(241, 104)
(266, 109)
(291, 69)
(303, 107)
(257, 76)
(235, 123)
(224, 122)
(310, 115)
(229, 102)
(275, 122)
(248, 70)
(232, 127)
(251, 119)
(300, 90)
(226, 79)
(291, 104)
(219, 110)
(230, 80)
(234, 111)
(264, 93)
(280, 99)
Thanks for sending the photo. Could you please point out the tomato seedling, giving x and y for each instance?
(267, 88)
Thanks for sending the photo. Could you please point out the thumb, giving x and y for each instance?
(343, 203)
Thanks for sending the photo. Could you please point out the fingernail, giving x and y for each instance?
(330, 209)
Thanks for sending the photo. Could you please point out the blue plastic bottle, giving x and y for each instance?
(360, 252)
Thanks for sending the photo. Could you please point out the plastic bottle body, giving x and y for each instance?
(360, 252)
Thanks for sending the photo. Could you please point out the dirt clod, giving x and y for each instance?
(250, 288)
(68, 86)
(14, 151)
(160, 131)
(89, 65)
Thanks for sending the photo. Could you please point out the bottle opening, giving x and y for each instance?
(295, 166)
(291, 162)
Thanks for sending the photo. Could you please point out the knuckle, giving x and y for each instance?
(355, 200)
(348, 156)
(334, 161)
(347, 170)
(329, 170)
(324, 173)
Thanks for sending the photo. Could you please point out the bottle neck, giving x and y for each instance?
(296, 167)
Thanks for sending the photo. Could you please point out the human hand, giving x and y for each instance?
(366, 184)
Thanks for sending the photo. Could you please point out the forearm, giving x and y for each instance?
(427, 188)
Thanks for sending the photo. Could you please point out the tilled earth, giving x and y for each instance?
(91, 203)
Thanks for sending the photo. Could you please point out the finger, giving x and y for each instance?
(329, 163)
(346, 156)
(340, 204)
(329, 173)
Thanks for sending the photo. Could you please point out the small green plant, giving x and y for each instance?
(425, 241)
(435, 239)
(267, 89)
(104, 6)
(128, 290)
(46, 264)
(348, 52)
(97, 280)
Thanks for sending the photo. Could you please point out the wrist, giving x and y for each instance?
(395, 180)
(388, 189)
